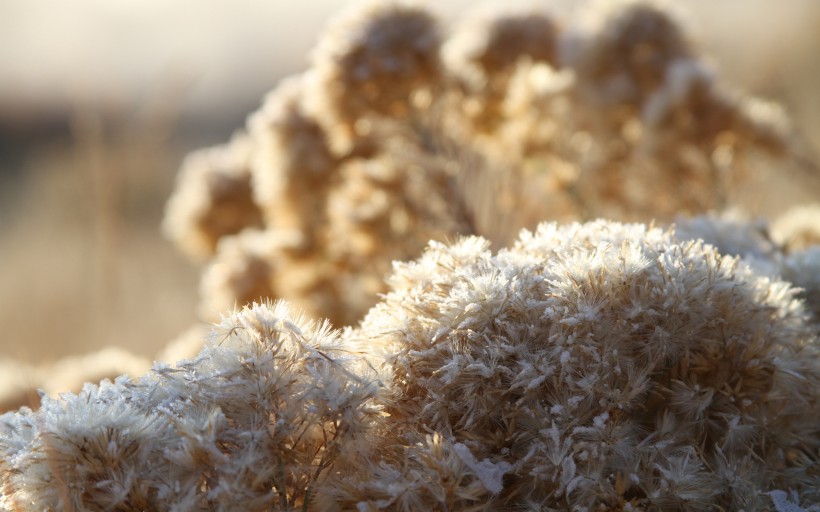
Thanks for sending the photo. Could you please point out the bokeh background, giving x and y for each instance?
(101, 99)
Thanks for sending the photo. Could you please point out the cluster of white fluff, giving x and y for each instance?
(253, 421)
(598, 366)
(606, 365)
(782, 250)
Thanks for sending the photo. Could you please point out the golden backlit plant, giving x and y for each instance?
(403, 130)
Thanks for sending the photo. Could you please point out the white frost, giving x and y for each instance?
(491, 474)
(783, 502)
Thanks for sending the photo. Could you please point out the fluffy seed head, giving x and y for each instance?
(590, 351)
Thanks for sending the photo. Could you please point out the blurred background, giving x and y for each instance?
(101, 99)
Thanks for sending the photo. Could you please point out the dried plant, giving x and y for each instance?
(601, 366)
(380, 59)
(596, 366)
(793, 259)
(254, 421)
(214, 199)
(402, 131)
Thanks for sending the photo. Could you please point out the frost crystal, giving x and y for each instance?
(491, 475)
(783, 502)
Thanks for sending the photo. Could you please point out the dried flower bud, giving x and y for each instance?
(378, 59)
(292, 166)
(212, 198)
(241, 273)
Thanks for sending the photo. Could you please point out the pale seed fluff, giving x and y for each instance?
(253, 422)
(596, 367)
(789, 255)
(734, 235)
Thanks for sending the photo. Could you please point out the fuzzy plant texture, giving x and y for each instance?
(580, 367)
(405, 129)
(598, 366)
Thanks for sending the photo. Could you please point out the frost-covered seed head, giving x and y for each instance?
(254, 422)
(350, 169)
(590, 351)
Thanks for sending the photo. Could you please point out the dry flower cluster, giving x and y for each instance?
(580, 367)
(404, 131)
(253, 420)
(597, 366)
